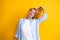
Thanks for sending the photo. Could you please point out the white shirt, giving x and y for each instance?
(28, 29)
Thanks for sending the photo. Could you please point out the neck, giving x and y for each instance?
(28, 18)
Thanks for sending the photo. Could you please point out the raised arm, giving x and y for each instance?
(44, 16)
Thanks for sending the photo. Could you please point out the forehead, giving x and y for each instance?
(33, 10)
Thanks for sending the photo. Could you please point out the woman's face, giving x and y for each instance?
(32, 13)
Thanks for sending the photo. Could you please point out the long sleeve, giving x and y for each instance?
(43, 18)
(18, 32)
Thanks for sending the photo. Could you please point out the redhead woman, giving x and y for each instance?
(28, 27)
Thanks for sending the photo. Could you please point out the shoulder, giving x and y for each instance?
(20, 19)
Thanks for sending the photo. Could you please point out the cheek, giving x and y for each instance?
(29, 15)
(33, 14)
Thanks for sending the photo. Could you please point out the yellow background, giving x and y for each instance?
(12, 10)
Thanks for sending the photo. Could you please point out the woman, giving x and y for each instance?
(28, 27)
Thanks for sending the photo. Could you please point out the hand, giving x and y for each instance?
(15, 38)
(41, 9)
